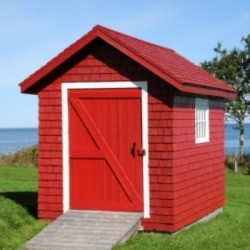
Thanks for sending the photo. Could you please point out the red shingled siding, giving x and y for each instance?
(97, 66)
(50, 152)
(186, 179)
(198, 168)
(160, 156)
(190, 182)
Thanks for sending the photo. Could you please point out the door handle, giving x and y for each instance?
(132, 151)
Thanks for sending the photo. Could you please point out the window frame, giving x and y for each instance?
(201, 120)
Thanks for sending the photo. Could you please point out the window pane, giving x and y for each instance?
(201, 119)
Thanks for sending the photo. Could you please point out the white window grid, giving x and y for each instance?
(201, 120)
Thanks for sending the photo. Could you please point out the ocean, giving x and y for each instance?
(12, 140)
(232, 139)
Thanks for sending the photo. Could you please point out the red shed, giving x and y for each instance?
(126, 125)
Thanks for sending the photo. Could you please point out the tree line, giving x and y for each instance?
(233, 67)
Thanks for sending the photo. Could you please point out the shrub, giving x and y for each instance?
(243, 163)
(229, 162)
(24, 157)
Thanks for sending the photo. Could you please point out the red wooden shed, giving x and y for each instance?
(126, 125)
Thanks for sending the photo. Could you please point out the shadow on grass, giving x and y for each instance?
(27, 200)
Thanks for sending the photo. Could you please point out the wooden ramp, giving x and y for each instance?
(87, 230)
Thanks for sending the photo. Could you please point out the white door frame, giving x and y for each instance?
(65, 133)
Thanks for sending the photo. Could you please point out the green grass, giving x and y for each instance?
(229, 230)
(18, 195)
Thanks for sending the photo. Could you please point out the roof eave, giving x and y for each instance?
(211, 92)
(27, 84)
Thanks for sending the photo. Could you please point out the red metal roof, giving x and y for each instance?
(164, 62)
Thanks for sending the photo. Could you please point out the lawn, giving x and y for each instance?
(229, 230)
(18, 194)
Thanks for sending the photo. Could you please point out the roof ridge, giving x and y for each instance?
(107, 31)
(220, 84)
(103, 28)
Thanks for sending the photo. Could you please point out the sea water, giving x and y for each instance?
(232, 139)
(14, 139)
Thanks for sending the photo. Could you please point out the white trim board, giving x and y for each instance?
(65, 122)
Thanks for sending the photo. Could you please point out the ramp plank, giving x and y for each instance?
(81, 229)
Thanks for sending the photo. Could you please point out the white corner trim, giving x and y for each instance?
(65, 138)
(65, 142)
(145, 163)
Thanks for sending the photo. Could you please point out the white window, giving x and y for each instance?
(201, 120)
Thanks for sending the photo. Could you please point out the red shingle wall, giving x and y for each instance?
(50, 152)
(160, 100)
(104, 63)
(198, 168)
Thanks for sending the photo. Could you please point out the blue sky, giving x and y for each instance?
(33, 32)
